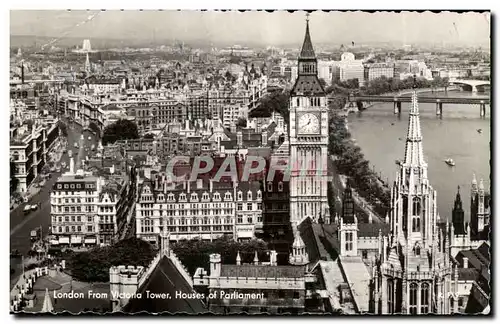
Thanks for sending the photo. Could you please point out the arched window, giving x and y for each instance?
(413, 299)
(415, 227)
(424, 298)
(390, 296)
(416, 206)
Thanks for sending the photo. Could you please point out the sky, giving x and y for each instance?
(276, 28)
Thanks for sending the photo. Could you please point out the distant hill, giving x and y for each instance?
(97, 43)
(106, 43)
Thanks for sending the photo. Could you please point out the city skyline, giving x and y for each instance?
(263, 28)
(237, 180)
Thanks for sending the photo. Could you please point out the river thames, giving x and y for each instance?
(381, 136)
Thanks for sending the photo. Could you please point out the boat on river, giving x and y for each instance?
(450, 162)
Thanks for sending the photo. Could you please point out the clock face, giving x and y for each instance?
(308, 124)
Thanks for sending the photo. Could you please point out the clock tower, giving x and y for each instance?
(308, 140)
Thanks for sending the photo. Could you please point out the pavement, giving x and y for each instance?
(20, 224)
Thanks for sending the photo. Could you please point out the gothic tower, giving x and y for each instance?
(479, 214)
(348, 229)
(308, 140)
(457, 215)
(414, 273)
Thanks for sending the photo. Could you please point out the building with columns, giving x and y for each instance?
(308, 140)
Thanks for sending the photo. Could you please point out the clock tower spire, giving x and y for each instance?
(308, 140)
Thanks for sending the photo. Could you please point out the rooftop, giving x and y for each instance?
(165, 278)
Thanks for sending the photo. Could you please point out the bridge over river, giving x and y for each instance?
(362, 101)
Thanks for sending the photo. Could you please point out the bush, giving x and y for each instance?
(93, 266)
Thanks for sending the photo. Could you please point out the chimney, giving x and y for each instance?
(264, 138)
(22, 73)
(466, 262)
(71, 165)
(239, 138)
(199, 183)
(211, 182)
(273, 258)
(188, 186)
(370, 217)
(256, 259)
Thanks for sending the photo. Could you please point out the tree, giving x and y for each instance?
(241, 122)
(277, 101)
(63, 128)
(351, 162)
(45, 169)
(93, 266)
(93, 127)
(13, 180)
(120, 130)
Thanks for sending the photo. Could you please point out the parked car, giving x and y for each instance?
(27, 209)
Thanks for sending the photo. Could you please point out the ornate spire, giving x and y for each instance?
(307, 51)
(299, 255)
(414, 154)
(458, 201)
(298, 243)
(47, 306)
(474, 184)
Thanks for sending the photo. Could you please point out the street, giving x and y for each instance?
(20, 224)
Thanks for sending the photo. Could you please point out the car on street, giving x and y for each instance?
(30, 207)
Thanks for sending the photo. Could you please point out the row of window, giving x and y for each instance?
(74, 193)
(74, 229)
(74, 200)
(147, 196)
(76, 186)
(190, 229)
(414, 303)
(205, 212)
(88, 219)
(59, 219)
(205, 220)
